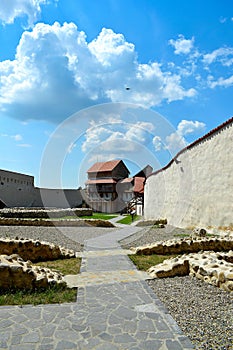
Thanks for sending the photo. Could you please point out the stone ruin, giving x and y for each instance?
(207, 258)
(211, 267)
(15, 273)
(16, 269)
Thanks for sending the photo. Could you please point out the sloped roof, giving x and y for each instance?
(103, 166)
(126, 180)
(100, 181)
(145, 172)
(139, 184)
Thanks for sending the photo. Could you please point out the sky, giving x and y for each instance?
(84, 81)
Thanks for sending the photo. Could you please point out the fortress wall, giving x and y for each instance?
(17, 190)
(58, 198)
(196, 188)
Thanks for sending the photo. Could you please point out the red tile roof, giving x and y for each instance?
(103, 166)
(139, 184)
(126, 180)
(100, 181)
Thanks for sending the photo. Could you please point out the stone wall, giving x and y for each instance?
(15, 273)
(34, 250)
(186, 245)
(195, 188)
(44, 213)
(17, 190)
(210, 267)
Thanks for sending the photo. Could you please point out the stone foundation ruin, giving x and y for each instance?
(209, 259)
(16, 269)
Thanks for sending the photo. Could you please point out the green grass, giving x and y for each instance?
(100, 216)
(65, 266)
(56, 294)
(144, 262)
(53, 295)
(182, 235)
(127, 220)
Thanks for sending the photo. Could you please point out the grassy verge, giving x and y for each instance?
(144, 262)
(51, 295)
(56, 294)
(65, 266)
(127, 220)
(100, 216)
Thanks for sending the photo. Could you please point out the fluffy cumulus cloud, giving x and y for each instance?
(56, 72)
(10, 9)
(187, 127)
(176, 140)
(111, 138)
(182, 45)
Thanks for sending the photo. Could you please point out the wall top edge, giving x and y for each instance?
(195, 143)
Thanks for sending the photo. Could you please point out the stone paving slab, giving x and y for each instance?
(115, 314)
(105, 277)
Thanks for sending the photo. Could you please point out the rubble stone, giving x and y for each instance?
(211, 267)
(34, 250)
(18, 274)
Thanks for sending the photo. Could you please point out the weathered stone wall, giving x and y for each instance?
(34, 250)
(186, 245)
(15, 273)
(210, 267)
(44, 213)
(195, 189)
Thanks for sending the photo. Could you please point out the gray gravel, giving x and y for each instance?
(203, 312)
(152, 234)
(68, 237)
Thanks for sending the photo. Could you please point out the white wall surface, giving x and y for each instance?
(197, 188)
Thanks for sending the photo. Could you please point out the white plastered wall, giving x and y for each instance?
(197, 188)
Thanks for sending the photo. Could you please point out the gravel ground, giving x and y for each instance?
(150, 234)
(203, 312)
(68, 237)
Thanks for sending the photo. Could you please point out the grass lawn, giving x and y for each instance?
(53, 295)
(127, 220)
(99, 216)
(144, 262)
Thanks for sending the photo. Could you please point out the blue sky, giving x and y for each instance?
(84, 81)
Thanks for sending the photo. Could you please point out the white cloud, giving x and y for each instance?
(176, 140)
(56, 72)
(222, 19)
(24, 145)
(71, 147)
(186, 127)
(157, 142)
(11, 9)
(118, 136)
(182, 45)
(223, 55)
(220, 82)
(17, 137)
